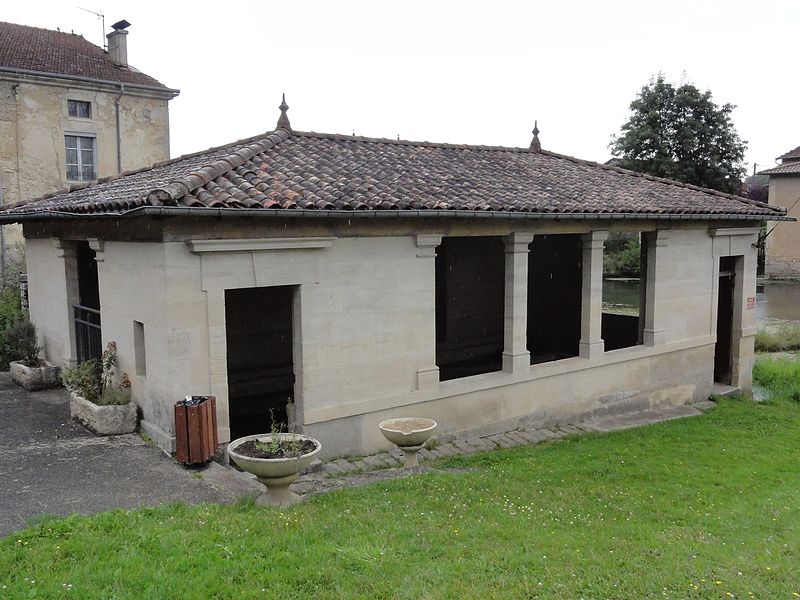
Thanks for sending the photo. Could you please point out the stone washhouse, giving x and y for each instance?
(338, 281)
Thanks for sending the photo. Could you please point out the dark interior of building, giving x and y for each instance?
(554, 297)
(258, 324)
(469, 306)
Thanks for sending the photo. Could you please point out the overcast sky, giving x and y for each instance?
(460, 72)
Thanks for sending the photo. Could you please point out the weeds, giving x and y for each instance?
(782, 339)
(780, 376)
(93, 380)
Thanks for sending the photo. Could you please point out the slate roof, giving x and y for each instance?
(43, 50)
(302, 173)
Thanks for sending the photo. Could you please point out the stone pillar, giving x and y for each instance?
(66, 252)
(654, 332)
(428, 375)
(743, 330)
(591, 344)
(516, 357)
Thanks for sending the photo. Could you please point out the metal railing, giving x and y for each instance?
(88, 338)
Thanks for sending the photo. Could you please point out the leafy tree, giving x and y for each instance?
(679, 133)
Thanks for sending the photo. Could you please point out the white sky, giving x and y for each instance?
(460, 72)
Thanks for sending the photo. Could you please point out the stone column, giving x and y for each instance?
(428, 375)
(516, 357)
(654, 332)
(66, 252)
(591, 344)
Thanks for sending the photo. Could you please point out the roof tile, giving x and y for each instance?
(310, 171)
(46, 51)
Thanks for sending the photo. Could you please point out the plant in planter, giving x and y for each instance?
(29, 371)
(95, 402)
(276, 459)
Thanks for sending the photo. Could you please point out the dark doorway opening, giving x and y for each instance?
(86, 313)
(88, 286)
(554, 297)
(722, 349)
(259, 341)
(470, 296)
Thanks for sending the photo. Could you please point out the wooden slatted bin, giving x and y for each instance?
(196, 429)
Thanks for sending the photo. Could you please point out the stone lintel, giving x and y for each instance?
(261, 244)
(729, 231)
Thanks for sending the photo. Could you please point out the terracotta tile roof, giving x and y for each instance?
(791, 154)
(36, 49)
(790, 168)
(287, 171)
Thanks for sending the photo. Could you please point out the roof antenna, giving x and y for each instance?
(101, 16)
(283, 120)
(536, 145)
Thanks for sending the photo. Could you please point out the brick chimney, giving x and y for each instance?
(117, 44)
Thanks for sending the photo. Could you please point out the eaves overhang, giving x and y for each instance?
(207, 212)
(61, 79)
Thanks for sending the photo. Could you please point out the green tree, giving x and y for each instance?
(679, 133)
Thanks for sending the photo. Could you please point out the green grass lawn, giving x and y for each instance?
(707, 507)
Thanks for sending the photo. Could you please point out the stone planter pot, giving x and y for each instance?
(409, 434)
(35, 378)
(103, 420)
(275, 473)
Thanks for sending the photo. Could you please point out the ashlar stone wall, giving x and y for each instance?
(34, 119)
(364, 328)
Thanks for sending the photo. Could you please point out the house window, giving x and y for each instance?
(80, 158)
(624, 280)
(79, 108)
(140, 356)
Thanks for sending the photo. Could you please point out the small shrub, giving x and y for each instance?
(84, 380)
(781, 377)
(114, 396)
(22, 342)
(94, 380)
(783, 339)
(10, 312)
(622, 256)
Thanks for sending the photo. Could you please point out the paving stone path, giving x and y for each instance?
(51, 465)
(339, 473)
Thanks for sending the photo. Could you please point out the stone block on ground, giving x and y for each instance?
(501, 440)
(35, 378)
(103, 420)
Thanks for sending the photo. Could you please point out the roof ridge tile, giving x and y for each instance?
(182, 186)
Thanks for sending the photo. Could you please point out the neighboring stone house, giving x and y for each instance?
(783, 243)
(71, 112)
(359, 279)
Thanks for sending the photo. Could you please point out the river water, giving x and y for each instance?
(780, 299)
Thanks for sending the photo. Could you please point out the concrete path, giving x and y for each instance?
(50, 465)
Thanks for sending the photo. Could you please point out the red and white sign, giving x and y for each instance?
(751, 303)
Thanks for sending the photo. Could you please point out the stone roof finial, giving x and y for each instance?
(283, 120)
(536, 145)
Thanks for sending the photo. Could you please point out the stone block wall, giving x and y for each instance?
(364, 332)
